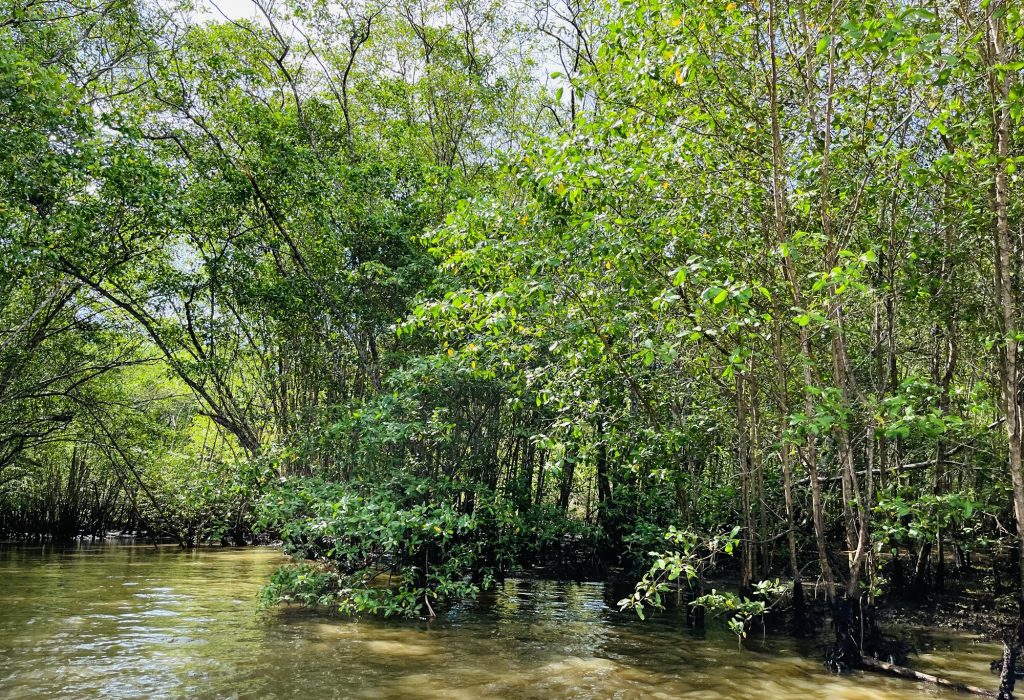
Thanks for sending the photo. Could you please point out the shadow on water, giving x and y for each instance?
(124, 621)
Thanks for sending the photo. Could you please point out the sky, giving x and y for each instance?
(234, 9)
(217, 10)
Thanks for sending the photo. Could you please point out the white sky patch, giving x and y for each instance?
(217, 10)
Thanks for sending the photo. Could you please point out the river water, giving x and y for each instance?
(118, 621)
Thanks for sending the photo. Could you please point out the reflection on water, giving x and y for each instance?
(156, 622)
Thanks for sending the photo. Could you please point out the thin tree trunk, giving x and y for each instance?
(789, 267)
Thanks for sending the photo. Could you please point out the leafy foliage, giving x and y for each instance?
(350, 275)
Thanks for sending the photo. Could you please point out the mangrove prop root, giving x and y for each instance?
(870, 664)
(1011, 652)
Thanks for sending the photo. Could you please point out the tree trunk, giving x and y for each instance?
(779, 176)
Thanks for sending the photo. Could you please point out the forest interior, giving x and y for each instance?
(722, 301)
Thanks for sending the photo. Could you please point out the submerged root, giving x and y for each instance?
(869, 664)
(860, 645)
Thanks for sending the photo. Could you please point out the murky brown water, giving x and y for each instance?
(145, 622)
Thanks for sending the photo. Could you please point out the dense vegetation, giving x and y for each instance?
(437, 291)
